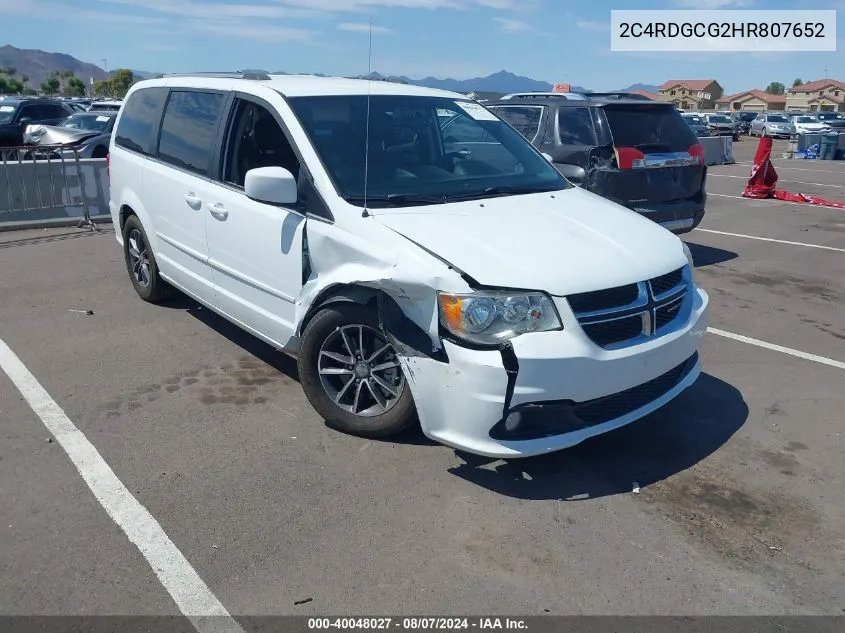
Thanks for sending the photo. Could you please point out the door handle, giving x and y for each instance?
(218, 211)
(193, 202)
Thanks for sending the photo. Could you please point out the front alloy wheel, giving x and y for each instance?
(351, 373)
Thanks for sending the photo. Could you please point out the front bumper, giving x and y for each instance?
(463, 402)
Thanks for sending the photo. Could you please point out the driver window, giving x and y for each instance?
(255, 139)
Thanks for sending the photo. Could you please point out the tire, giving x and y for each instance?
(141, 264)
(343, 403)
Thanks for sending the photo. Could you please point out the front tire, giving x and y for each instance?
(351, 375)
(141, 263)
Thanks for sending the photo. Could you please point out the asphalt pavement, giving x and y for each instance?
(740, 506)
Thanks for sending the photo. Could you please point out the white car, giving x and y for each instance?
(459, 280)
(805, 124)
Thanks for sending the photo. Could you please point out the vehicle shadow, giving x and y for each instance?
(270, 355)
(55, 237)
(678, 436)
(708, 255)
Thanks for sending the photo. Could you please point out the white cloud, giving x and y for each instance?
(713, 4)
(507, 25)
(362, 27)
(592, 25)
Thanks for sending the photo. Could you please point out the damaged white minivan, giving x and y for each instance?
(420, 258)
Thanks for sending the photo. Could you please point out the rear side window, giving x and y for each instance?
(138, 127)
(649, 128)
(189, 129)
(575, 126)
(54, 111)
(525, 119)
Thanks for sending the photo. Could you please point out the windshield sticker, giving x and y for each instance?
(7, 109)
(477, 111)
(102, 119)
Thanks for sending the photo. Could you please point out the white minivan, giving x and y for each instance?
(420, 258)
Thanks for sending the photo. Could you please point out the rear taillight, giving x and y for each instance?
(629, 158)
(697, 152)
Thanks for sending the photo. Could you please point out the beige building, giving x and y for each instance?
(692, 94)
(753, 100)
(823, 94)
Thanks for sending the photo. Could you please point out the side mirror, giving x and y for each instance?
(24, 122)
(274, 185)
(573, 173)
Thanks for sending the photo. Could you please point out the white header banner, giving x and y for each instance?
(727, 30)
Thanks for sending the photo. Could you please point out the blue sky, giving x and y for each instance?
(552, 40)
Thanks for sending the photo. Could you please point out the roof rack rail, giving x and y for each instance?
(545, 95)
(619, 95)
(224, 75)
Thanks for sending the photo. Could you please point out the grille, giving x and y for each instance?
(666, 282)
(604, 299)
(608, 332)
(618, 316)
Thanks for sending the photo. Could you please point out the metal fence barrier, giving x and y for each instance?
(45, 180)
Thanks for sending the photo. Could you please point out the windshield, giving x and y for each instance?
(93, 122)
(422, 150)
(777, 118)
(654, 128)
(693, 119)
(719, 118)
(806, 119)
(7, 113)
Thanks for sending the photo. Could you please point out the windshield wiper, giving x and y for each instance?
(504, 190)
(398, 199)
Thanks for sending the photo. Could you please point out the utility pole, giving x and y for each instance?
(105, 65)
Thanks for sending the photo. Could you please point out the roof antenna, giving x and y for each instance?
(366, 212)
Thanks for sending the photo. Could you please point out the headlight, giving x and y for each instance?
(689, 261)
(494, 317)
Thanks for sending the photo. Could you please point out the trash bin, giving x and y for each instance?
(829, 145)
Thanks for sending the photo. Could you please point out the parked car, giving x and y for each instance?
(774, 125)
(639, 154)
(835, 120)
(105, 105)
(416, 253)
(697, 124)
(743, 120)
(82, 135)
(17, 114)
(722, 125)
(805, 124)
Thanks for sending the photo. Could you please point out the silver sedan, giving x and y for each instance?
(773, 125)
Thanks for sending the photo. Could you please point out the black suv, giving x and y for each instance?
(16, 114)
(638, 153)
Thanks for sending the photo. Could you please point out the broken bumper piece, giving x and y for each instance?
(553, 391)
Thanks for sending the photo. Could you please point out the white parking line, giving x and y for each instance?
(797, 182)
(175, 573)
(778, 348)
(770, 239)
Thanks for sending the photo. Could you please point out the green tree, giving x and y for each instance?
(103, 88)
(776, 88)
(121, 80)
(51, 84)
(9, 71)
(4, 85)
(74, 88)
(797, 82)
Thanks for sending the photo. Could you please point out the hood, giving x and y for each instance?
(812, 126)
(562, 243)
(52, 135)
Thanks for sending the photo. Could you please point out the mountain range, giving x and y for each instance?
(37, 64)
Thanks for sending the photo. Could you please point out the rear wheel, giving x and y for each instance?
(141, 264)
(351, 375)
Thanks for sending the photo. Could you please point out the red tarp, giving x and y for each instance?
(763, 179)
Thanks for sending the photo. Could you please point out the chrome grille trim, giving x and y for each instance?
(650, 307)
